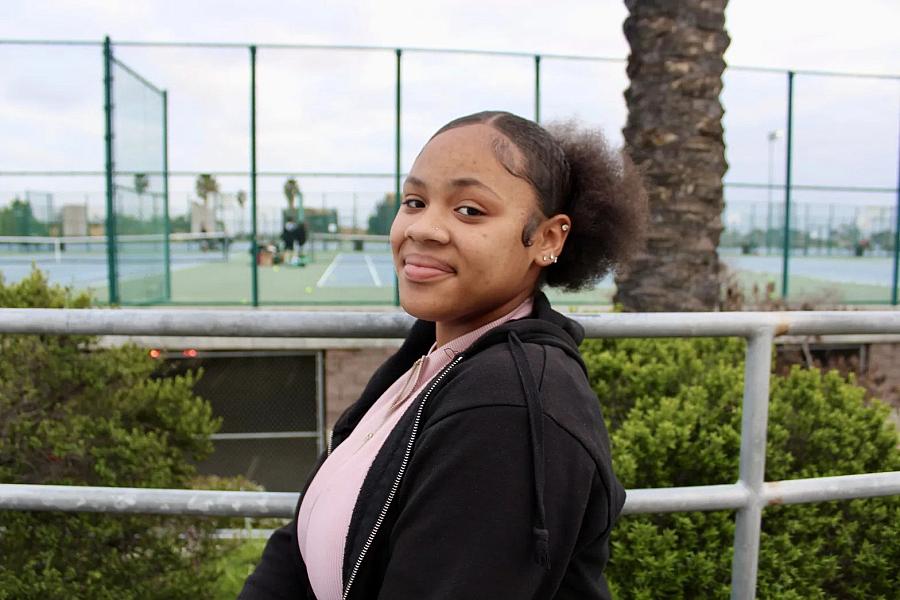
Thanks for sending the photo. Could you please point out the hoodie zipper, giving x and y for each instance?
(410, 384)
(413, 376)
(400, 473)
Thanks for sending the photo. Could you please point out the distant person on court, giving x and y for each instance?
(289, 238)
(300, 238)
(476, 463)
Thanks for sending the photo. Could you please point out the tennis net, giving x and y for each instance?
(184, 248)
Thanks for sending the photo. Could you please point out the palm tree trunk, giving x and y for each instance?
(674, 133)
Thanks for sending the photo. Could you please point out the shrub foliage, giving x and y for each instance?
(76, 414)
(674, 410)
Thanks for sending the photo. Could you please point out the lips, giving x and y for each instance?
(419, 268)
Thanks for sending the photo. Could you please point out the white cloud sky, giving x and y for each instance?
(334, 111)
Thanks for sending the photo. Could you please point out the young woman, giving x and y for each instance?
(476, 463)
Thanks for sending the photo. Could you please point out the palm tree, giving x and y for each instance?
(141, 183)
(291, 191)
(674, 133)
(206, 184)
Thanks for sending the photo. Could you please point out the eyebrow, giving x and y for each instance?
(460, 182)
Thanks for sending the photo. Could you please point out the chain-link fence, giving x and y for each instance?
(259, 133)
(272, 410)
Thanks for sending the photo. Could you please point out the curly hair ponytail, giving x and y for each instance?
(607, 204)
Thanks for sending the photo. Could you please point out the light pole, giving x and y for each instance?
(774, 136)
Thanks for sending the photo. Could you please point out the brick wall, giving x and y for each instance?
(347, 371)
(883, 376)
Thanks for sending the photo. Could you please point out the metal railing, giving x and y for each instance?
(748, 496)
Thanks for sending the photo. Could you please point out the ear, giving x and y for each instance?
(550, 238)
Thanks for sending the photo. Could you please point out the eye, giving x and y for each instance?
(469, 211)
(413, 203)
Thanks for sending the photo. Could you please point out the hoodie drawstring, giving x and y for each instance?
(536, 433)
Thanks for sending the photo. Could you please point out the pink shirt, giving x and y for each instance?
(327, 507)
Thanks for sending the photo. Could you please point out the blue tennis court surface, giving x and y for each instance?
(358, 270)
(86, 265)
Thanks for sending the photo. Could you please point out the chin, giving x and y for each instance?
(423, 306)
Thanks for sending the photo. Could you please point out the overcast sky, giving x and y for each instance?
(326, 111)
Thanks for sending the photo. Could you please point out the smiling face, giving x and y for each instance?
(457, 239)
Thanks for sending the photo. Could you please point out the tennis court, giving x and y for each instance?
(210, 269)
(366, 269)
(81, 262)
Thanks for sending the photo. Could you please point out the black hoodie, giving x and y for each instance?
(496, 482)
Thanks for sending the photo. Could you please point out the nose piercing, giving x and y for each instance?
(435, 228)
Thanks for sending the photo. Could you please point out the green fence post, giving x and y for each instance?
(786, 248)
(397, 91)
(167, 226)
(537, 88)
(896, 275)
(830, 228)
(111, 260)
(254, 269)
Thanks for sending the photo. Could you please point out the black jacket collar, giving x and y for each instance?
(544, 326)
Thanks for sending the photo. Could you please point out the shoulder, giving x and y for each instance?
(490, 379)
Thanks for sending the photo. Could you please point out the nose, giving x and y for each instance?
(426, 227)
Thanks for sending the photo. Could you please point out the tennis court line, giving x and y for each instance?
(372, 271)
(329, 271)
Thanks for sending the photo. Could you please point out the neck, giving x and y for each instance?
(447, 331)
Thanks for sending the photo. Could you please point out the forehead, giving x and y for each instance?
(470, 150)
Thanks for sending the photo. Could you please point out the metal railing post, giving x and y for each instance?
(111, 260)
(254, 260)
(789, 138)
(754, 423)
(397, 157)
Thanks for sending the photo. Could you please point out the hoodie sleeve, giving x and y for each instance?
(465, 523)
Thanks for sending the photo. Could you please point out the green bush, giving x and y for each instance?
(73, 413)
(674, 408)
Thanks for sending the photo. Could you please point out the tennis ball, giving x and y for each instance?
(308, 290)
(275, 269)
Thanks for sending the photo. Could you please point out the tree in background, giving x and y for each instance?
(141, 183)
(18, 219)
(205, 186)
(291, 192)
(674, 134)
(380, 221)
(73, 413)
